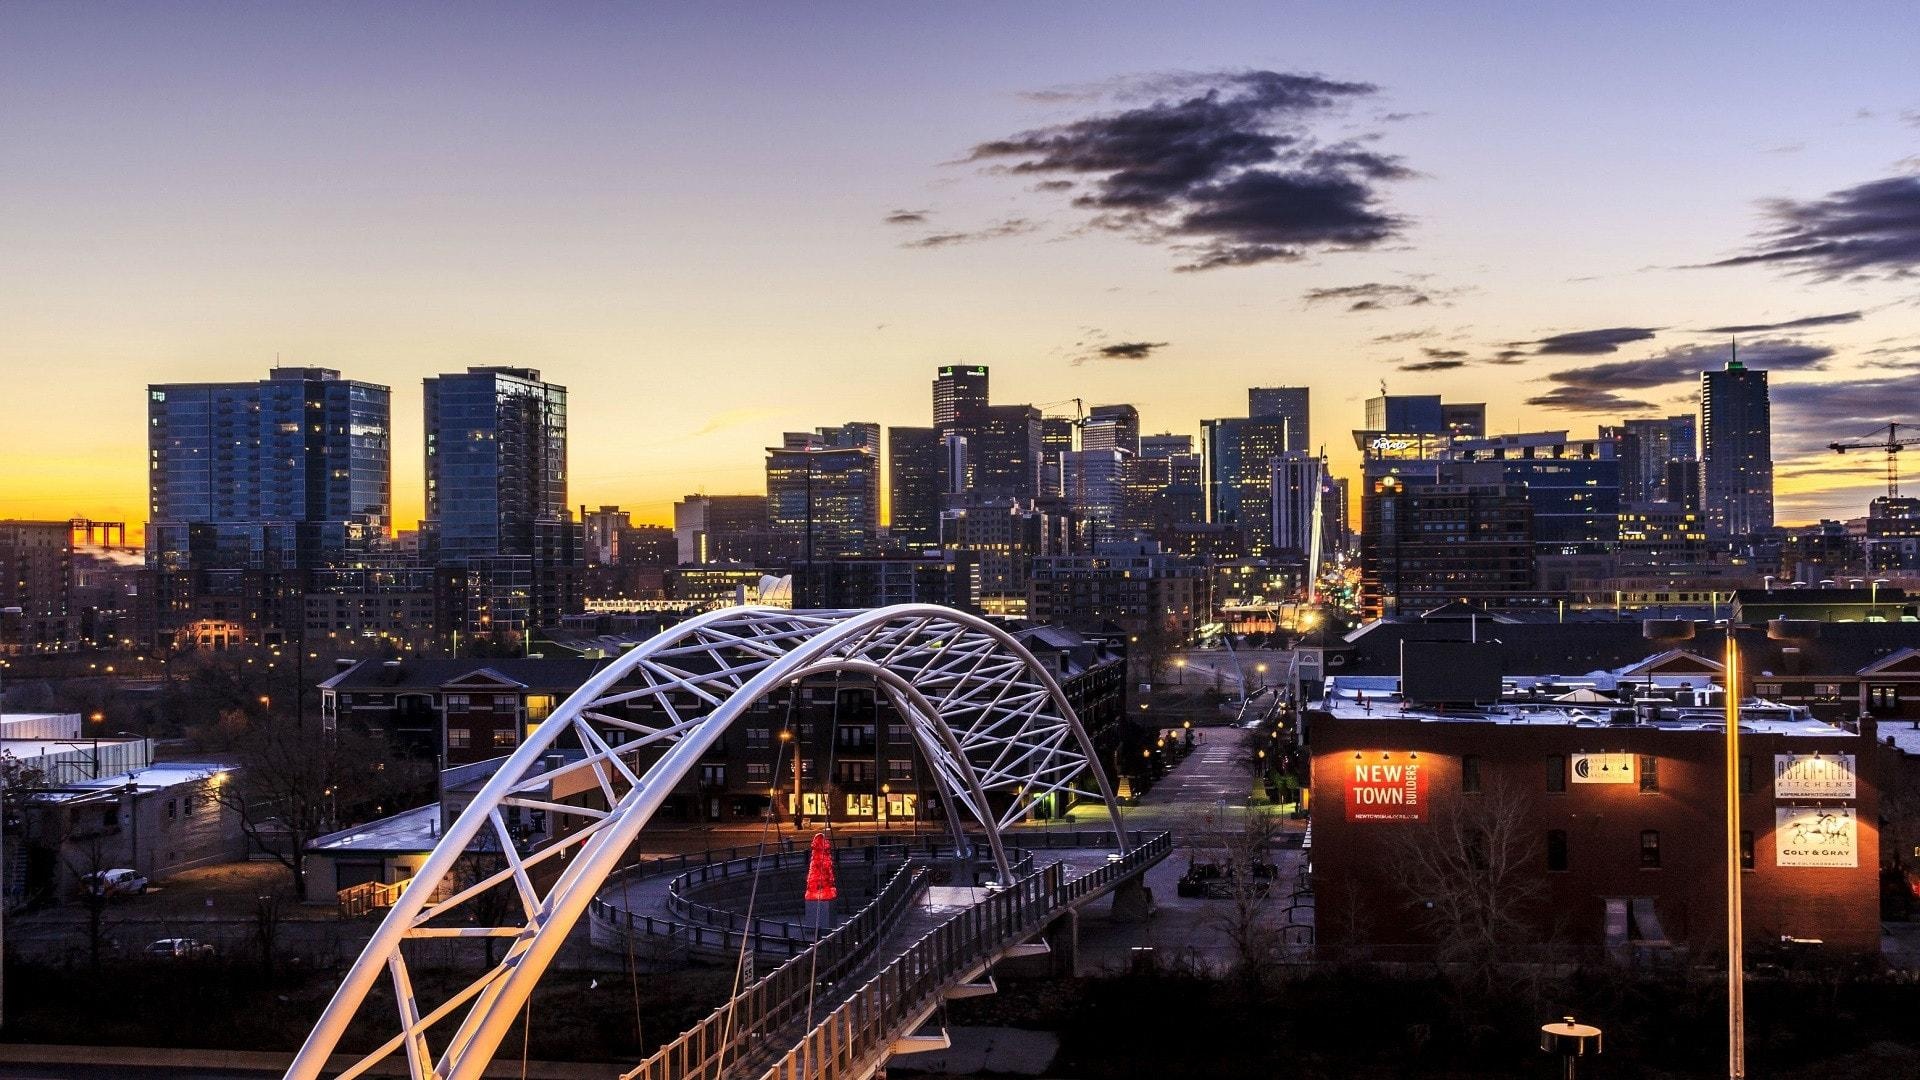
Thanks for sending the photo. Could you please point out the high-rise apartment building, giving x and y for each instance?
(253, 484)
(602, 528)
(915, 482)
(1289, 403)
(496, 462)
(498, 524)
(293, 469)
(36, 587)
(1647, 450)
(1736, 451)
(960, 399)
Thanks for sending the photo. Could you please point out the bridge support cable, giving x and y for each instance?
(993, 725)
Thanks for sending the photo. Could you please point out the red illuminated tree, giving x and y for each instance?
(820, 870)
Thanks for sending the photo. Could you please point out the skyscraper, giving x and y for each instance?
(959, 399)
(1736, 451)
(293, 468)
(1289, 403)
(1238, 451)
(498, 526)
(1112, 427)
(1056, 438)
(1647, 448)
(1296, 495)
(1004, 453)
(915, 482)
(253, 484)
(496, 462)
(825, 489)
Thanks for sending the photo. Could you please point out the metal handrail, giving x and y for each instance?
(901, 992)
(775, 999)
(865, 1024)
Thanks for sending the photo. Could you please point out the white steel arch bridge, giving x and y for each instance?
(991, 722)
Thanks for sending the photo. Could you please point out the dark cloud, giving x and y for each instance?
(1587, 400)
(1596, 387)
(1122, 350)
(1009, 227)
(1790, 324)
(1433, 365)
(1403, 336)
(1808, 416)
(1222, 166)
(1055, 185)
(1870, 229)
(1372, 296)
(1589, 342)
(1508, 357)
(1444, 354)
(908, 217)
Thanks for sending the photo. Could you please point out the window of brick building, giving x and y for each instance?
(1470, 775)
(1556, 849)
(1556, 773)
(1650, 849)
(1649, 773)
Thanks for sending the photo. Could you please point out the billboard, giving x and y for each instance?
(1814, 776)
(1449, 672)
(1815, 836)
(1386, 787)
(1604, 768)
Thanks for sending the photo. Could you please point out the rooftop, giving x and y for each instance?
(1377, 697)
(412, 830)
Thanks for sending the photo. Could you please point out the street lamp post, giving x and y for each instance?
(885, 790)
(1736, 960)
(799, 820)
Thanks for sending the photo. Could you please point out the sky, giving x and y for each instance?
(718, 222)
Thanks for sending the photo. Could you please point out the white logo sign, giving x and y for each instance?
(1603, 768)
(1814, 836)
(1813, 776)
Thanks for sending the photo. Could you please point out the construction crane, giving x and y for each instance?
(1892, 444)
(1079, 422)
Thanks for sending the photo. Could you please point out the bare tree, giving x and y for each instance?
(1474, 873)
(296, 783)
(1247, 892)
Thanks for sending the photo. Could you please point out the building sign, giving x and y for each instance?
(1813, 776)
(1815, 836)
(1604, 768)
(1386, 787)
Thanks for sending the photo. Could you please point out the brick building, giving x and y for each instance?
(1615, 819)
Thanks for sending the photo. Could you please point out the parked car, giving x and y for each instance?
(179, 948)
(116, 882)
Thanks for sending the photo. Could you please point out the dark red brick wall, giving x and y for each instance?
(1361, 895)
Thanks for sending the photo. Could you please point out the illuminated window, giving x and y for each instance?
(1649, 773)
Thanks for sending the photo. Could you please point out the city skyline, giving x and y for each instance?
(692, 218)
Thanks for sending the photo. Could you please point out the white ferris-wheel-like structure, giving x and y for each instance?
(991, 722)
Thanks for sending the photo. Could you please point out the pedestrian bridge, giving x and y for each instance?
(991, 724)
(862, 994)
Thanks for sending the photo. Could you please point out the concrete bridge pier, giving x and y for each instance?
(1132, 901)
(1063, 937)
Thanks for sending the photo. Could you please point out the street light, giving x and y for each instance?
(885, 790)
(1180, 668)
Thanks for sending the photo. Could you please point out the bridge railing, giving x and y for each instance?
(862, 1029)
(710, 929)
(703, 1051)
